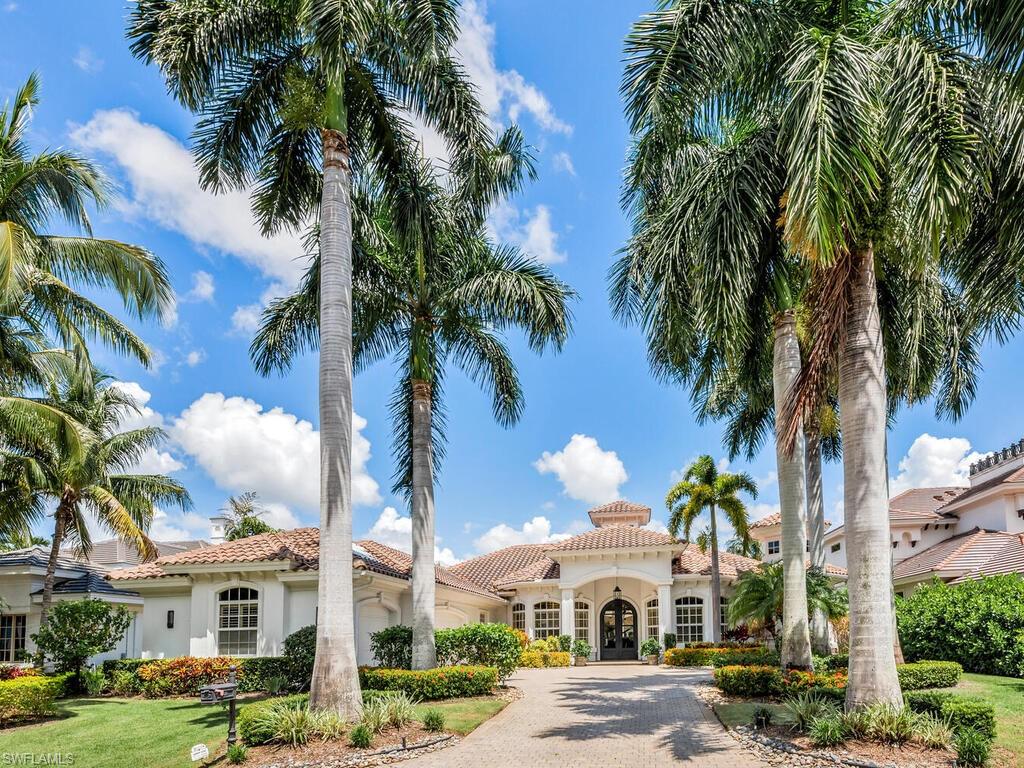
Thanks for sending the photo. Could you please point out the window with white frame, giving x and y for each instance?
(652, 619)
(12, 637)
(582, 613)
(774, 547)
(546, 620)
(723, 614)
(237, 621)
(690, 619)
(519, 616)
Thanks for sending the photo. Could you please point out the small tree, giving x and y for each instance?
(79, 629)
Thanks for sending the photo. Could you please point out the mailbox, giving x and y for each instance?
(218, 692)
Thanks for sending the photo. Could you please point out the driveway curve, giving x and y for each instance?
(599, 715)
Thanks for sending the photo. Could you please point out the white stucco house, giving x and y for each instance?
(613, 586)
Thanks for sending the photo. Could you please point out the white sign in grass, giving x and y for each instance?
(200, 752)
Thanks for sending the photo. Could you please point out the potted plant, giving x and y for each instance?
(650, 649)
(581, 650)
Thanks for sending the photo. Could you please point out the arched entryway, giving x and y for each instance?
(618, 631)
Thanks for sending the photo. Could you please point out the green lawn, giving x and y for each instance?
(742, 712)
(1006, 694)
(158, 733)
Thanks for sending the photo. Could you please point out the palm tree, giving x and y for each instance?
(97, 484)
(758, 597)
(702, 488)
(245, 517)
(896, 147)
(435, 291)
(298, 97)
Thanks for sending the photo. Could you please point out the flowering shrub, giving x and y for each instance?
(439, 683)
(538, 659)
(10, 672)
(185, 675)
(797, 681)
(720, 656)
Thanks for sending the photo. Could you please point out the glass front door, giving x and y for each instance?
(618, 631)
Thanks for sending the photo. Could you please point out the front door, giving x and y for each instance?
(618, 631)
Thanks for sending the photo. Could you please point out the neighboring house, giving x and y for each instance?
(949, 532)
(114, 553)
(612, 586)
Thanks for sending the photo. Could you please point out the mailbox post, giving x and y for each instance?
(223, 693)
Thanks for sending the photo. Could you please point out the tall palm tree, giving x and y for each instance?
(897, 146)
(245, 517)
(702, 488)
(97, 484)
(435, 291)
(297, 97)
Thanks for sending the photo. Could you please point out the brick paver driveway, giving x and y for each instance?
(599, 715)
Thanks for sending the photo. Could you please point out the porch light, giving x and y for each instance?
(617, 593)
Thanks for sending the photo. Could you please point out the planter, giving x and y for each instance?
(652, 659)
(581, 661)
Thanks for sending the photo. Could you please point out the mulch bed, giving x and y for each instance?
(386, 748)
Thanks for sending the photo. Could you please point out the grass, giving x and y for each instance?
(463, 715)
(742, 712)
(159, 733)
(1006, 694)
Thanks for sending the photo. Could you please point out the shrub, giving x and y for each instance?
(834, 663)
(669, 640)
(375, 715)
(803, 709)
(392, 647)
(433, 720)
(650, 647)
(890, 724)
(749, 681)
(398, 708)
(93, 681)
(708, 656)
(796, 680)
(78, 629)
(553, 643)
(256, 726)
(123, 683)
(978, 623)
(237, 754)
(827, 731)
(856, 723)
(581, 648)
(185, 675)
(328, 725)
(10, 671)
(360, 737)
(972, 748)
(298, 653)
(538, 659)
(961, 712)
(432, 684)
(482, 645)
(255, 673)
(934, 733)
(292, 725)
(29, 696)
(929, 674)
(537, 646)
(523, 639)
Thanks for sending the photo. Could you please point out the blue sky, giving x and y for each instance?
(596, 427)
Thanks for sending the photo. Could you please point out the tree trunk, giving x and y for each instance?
(60, 524)
(820, 636)
(335, 683)
(424, 654)
(716, 582)
(796, 638)
(862, 406)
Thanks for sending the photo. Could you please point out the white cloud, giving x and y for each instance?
(677, 475)
(85, 59)
(505, 94)
(164, 188)
(246, 319)
(178, 526)
(157, 360)
(169, 314)
(535, 531)
(934, 461)
(195, 357)
(761, 509)
(203, 287)
(562, 161)
(587, 472)
(532, 232)
(153, 461)
(242, 447)
(395, 530)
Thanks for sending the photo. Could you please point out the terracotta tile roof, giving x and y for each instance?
(485, 570)
(773, 519)
(614, 537)
(620, 511)
(401, 562)
(545, 568)
(1009, 559)
(692, 561)
(922, 504)
(964, 553)
(1011, 476)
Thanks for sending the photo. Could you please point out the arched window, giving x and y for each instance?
(519, 616)
(582, 621)
(546, 620)
(689, 619)
(237, 621)
(651, 609)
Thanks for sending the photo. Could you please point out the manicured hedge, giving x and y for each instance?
(962, 712)
(929, 674)
(749, 681)
(185, 675)
(710, 656)
(539, 659)
(478, 644)
(440, 683)
(29, 696)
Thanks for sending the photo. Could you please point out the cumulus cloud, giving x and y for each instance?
(530, 230)
(395, 530)
(87, 61)
(587, 472)
(203, 287)
(153, 461)
(163, 187)
(934, 461)
(242, 446)
(194, 357)
(563, 162)
(535, 531)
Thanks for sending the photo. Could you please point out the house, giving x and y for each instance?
(613, 586)
(951, 533)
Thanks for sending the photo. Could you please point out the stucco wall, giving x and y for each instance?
(157, 641)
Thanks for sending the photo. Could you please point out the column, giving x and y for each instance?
(529, 617)
(568, 613)
(666, 611)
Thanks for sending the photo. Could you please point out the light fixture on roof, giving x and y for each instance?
(617, 593)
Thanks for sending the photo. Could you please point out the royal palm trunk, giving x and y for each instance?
(862, 407)
(60, 524)
(335, 683)
(424, 655)
(716, 582)
(796, 638)
(820, 635)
